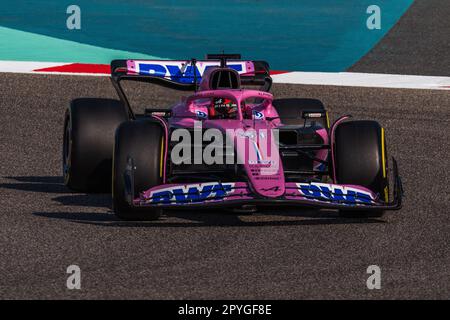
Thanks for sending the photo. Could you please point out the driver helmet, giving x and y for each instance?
(223, 108)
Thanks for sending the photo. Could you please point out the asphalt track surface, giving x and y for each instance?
(289, 254)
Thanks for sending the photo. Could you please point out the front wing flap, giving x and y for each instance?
(236, 194)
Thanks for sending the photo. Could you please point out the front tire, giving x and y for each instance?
(143, 141)
(361, 159)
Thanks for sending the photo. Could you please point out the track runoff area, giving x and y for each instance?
(348, 79)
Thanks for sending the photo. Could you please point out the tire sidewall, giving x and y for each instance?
(141, 140)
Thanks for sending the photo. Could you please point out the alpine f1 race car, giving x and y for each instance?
(224, 146)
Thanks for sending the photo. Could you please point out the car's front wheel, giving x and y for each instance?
(361, 159)
(143, 141)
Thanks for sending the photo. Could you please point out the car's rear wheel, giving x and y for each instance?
(142, 141)
(88, 141)
(361, 159)
(290, 111)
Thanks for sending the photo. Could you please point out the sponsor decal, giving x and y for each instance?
(201, 114)
(182, 72)
(324, 191)
(191, 193)
(258, 115)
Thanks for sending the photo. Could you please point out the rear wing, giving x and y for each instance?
(185, 75)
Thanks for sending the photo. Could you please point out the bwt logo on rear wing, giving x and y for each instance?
(183, 71)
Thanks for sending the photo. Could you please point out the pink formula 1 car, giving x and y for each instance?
(224, 146)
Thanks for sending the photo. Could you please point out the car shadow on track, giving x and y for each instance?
(191, 219)
(47, 184)
(54, 184)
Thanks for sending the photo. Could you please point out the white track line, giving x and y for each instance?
(67, 73)
(30, 67)
(350, 79)
(25, 66)
(373, 80)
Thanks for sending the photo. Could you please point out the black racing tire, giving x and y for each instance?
(143, 141)
(88, 141)
(361, 159)
(290, 111)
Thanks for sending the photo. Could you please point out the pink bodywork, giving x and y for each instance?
(185, 114)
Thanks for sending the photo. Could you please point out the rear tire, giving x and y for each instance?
(361, 159)
(142, 141)
(290, 111)
(88, 141)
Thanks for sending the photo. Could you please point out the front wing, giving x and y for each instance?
(236, 194)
